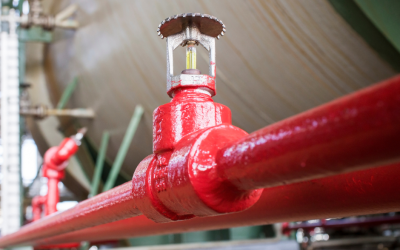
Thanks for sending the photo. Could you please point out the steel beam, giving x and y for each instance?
(99, 164)
(126, 142)
(66, 95)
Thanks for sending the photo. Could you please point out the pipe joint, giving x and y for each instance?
(53, 174)
(56, 158)
(52, 163)
(185, 182)
(38, 203)
(66, 150)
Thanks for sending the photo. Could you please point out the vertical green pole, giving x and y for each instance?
(246, 233)
(99, 164)
(150, 240)
(199, 236)
(126, 142)
(19, 6)
(97, 174)
(84, 245)
(66, 95)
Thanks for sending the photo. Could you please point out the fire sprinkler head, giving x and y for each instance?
(190, 30)
(207, 25)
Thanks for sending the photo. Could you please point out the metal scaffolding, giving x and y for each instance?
(10, 128)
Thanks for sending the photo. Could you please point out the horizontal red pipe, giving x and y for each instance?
(61, 246)
(357, 131)
(113, 205)
(366, 121)
(357, 193)
(352, 222)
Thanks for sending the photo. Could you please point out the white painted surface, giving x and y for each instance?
(10, 137)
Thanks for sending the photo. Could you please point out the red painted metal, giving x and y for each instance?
(115, 204)
(198, 164)
(357, 131)
(188, 112)
(178, 181)
(55, 162)
(203, 166)
(364, 192)
(38, 206)
(343, 223)
(57, 157)
(59, 246)
(53, 196)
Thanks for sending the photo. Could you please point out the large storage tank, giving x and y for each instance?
(277, 59)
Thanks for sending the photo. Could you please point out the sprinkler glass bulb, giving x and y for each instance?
(191, 56)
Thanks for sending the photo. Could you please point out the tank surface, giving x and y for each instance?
(278, 58)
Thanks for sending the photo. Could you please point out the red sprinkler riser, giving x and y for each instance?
(181, 181)
(188, 112)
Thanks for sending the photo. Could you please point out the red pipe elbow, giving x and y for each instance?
(55, 161)
(57, 157)
(37, 206)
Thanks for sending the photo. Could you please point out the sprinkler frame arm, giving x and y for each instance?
(205, 83)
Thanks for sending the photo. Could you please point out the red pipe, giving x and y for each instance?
(53, 196)
(357, 131)
(59, 246)
(55, 162)
(115, 204)
(364, 192)
(183, 180)
(352, 222)
(202, 167)
(37, 207)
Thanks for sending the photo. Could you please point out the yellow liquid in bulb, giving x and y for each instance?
(191, 57)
